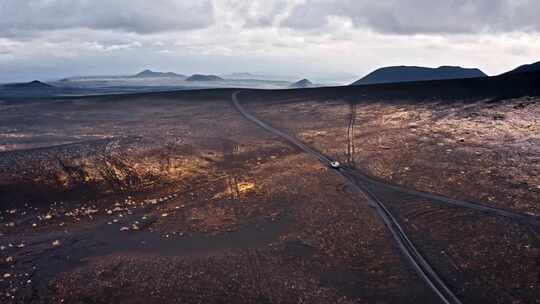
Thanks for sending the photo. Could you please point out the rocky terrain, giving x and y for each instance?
(176, 197)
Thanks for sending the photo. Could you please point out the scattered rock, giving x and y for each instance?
(499, 116)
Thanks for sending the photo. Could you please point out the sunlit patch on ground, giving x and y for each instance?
(186, 200)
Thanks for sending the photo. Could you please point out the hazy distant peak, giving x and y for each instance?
(150, 73)
(146, 72)
(416, 73)
(304, 83)
(242, 75)
(251, 76)
(36, 84)
(200, 77)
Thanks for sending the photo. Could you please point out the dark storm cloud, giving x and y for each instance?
(139, 16)
(421, 16)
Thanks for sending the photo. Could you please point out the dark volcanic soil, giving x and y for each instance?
(478, 150)
(474, 150)
(183, 201)
(174, 197)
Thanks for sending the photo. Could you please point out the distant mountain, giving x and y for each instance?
(242, 76)
(36, 84)
(152, 74)
(31, 90)
(413, 73)
(534, 67)
(304, 83)
(89, 78)
(250, 76)
(199, 77)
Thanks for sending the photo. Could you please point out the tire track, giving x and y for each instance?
(415, 258)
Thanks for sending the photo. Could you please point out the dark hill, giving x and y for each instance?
(452, 90)
(152, 74)
(29, 89)
(534, 67)
(199, 77)
(412, 73)
(36, 84)
(491, 88)
(304, 83)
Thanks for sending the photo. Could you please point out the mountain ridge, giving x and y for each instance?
(533, 67)
(304, 83)
(152, 74)
(396, 74)
(36, 84)
(201, 77)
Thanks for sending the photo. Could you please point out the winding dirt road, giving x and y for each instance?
(365, 185)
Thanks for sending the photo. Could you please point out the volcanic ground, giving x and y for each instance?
(177, 198)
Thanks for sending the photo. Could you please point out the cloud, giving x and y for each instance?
(57, 38)
(116, 47)
(408, 17)
(138, 16)
(405, 17)
(258, 13)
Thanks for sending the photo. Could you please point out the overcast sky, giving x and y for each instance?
(319, 39)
